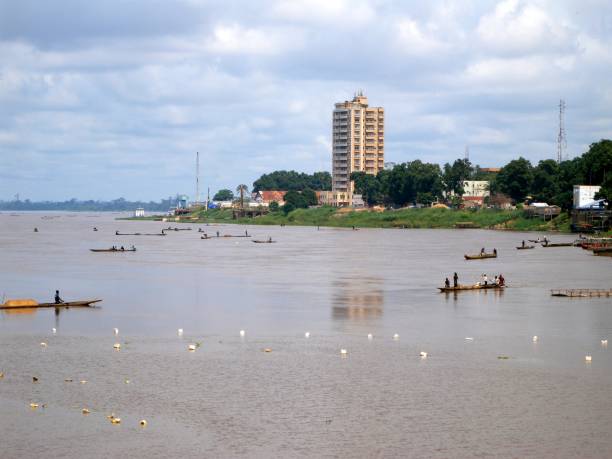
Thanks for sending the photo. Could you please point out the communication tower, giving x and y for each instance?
(197, 178)
(561, 140)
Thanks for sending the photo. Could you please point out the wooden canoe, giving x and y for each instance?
(480, 256)
(603, 251)
(525, 247)
(263, 242)
(558, 244)
(471, 287)
(117, 233)
(113, 250)
(31, 304)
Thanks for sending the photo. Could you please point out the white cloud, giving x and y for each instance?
(518, 27)
(336, 13)
(235, 39)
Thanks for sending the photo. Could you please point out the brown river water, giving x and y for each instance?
(229, 398)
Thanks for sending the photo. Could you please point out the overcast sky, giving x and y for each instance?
(113, 98)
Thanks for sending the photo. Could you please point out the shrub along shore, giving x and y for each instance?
(403, 218)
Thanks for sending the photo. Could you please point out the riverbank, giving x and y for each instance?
(404, 218)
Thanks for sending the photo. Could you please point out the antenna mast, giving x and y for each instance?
(467, 153)
(561, 140)
(197, 178)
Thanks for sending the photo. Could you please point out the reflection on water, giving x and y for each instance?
(357, 298)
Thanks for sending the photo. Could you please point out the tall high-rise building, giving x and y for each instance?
(357, 144)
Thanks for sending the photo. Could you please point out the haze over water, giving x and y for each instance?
(229, 399)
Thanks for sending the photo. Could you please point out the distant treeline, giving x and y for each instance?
(293, 181)
(548, 181)
(116, 205)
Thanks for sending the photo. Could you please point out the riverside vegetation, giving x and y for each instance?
(402, 218)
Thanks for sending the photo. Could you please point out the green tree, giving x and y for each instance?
(368, 186)
(274, 207)
(310, 197)
(455, 175)
(569, 173)
(545, 185)
(294, 200)
(223, 195)
(515, 179)
(597, 162)
(292, 180)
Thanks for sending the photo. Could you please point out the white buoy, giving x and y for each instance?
(117, 346)
(604, 342)
(83, 381)
(242, 333)
(535, 338)
(370, 336)
(85, 411)
(180, 332)
(307, 335)
(423, 355)
(469, 338)
(396, 336)
(116, 331)
(54, 330)
(343, 352)
(588, 358)
(192, 347)
(43, 344)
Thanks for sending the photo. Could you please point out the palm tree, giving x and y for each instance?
(241, 190)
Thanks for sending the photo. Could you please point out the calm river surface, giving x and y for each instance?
(302, 399)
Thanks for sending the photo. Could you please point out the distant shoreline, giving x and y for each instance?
(426, 218)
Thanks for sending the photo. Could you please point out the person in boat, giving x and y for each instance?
(496, 281)
(485, 280)
(502, 281)
(495, 252)
(58, 299)
(95, 229)
(116, 233)
(132, 248)
(447, 283)
(482, 251)
(523, 245)
(270, 239)
(122, 249)
(36, 230)
(246, 233)
(217, 233)
(455, 280)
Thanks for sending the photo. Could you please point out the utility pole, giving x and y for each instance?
(467, 153)
(197, 202)
(561, 140)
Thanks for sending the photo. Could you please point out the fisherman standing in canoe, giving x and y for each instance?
(58, 299)
(495, 252)
(482, 251)
(502, 281)
(455, 280)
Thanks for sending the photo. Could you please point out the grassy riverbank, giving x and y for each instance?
(404, 218)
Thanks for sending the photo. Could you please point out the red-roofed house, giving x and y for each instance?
(266, 197)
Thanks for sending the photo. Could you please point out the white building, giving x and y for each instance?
(584, 194)
(140, 212)
(476, 189)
